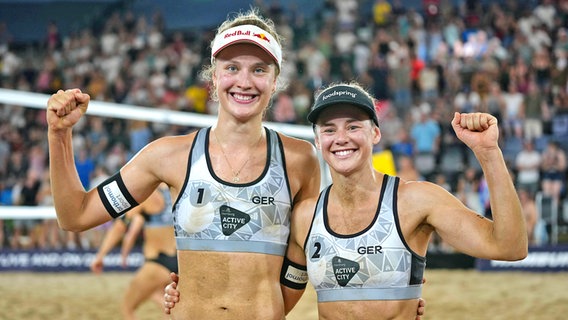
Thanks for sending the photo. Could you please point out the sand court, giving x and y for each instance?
(450, 294)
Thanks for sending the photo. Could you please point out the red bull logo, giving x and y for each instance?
(237, 33)
(261, 36)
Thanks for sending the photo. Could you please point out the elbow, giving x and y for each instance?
(518, 252)
(66, 226)
(522, 253)
(519, 256)
(523, 249)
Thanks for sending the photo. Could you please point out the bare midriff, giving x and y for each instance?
(229, 285)
(376, 310)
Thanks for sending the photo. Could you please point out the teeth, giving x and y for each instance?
(242, 97)
(344, 152)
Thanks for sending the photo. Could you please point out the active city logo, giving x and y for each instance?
(232, 219)
(344, 270)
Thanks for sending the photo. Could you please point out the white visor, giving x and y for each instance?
(251, 34)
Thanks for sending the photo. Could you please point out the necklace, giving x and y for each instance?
(235, 173)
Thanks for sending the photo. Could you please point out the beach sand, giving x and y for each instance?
(449, 294)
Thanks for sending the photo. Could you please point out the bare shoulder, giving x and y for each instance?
(425, 198)
(164, 158)
(172, 143)
(173, 149)
(420, 193)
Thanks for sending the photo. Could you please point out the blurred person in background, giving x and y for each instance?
(536, 227)
(527, 164)
(26, 232)
(553, 166)
(50, 237)
(154, 217)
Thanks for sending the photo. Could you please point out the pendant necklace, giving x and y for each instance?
(235, 174)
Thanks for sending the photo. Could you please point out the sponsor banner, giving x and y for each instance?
(65, 261)
(539, 259)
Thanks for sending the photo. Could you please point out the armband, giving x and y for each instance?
(115, 197)
(293, 275)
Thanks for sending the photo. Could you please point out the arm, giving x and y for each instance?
(303, 156)
(64, 109)
(531, 216)
(78, 210)
(153, 205)
(112, 237)
(561, 160)
(136, 225)
(505, 237)
(295, 260)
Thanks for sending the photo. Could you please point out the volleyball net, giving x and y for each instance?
(129, 112)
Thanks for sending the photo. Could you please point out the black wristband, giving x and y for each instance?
(293, 275)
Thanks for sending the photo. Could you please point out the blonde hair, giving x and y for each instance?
(250, 17)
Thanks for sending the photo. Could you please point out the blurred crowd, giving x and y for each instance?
(508, 58)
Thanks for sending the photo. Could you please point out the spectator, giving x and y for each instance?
(26, 231)
(428, 82)
(97, 139)
(402, 145)
(425, 134)
(382, 11)
(527, 164)
(85, 166)
(494, 102)
(545, 12)
(468, 190)
(400, 82)
(140, 135)
(514, 112)
(536, 228)
(467, 101)
(559, 122)
(283, 109)
(553, 168)
(390, 127)
(49, 238)
(535, 107)
(417, 65)
(406, 169)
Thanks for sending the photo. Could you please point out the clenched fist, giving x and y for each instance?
(65, 108)
(479, 131)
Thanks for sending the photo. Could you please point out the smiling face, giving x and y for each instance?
(345, 135)
(245, 79)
